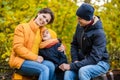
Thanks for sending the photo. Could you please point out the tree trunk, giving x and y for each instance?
(87, 1)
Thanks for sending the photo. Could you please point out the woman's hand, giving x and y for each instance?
(61, 48)
(40, 59)
(76, 61)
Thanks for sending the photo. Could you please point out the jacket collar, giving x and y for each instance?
(95, 25)
(33, 25)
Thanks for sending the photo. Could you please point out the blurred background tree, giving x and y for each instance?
(14, 12)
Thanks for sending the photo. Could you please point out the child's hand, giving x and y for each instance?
(40, 59)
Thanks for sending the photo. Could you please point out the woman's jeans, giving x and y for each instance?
(88, 72)
(44, 70)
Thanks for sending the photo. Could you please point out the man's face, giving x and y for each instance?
(83, 22)
(42, 19)
(46, 35)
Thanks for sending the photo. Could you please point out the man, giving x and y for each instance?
(88, 48)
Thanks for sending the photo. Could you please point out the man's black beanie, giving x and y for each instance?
(85, 11)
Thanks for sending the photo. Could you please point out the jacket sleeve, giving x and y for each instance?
(43, 53)
(61, 55)
(98, 49)
(74, 47)
(63, 58)
(18, 45)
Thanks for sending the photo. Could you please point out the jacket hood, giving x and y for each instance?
(97, 22)
(96, 25)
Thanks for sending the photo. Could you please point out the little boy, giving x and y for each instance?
(49, 51)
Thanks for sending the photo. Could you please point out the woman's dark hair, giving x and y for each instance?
(47, 10)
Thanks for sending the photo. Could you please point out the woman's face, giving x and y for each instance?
(42, 19)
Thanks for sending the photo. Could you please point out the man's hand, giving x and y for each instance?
(40, 59)
(64, 67)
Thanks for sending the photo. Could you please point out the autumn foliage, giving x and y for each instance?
(14, 12)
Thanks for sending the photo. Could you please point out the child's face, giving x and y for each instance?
(46, 35)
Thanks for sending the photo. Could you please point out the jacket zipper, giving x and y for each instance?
(82, 38)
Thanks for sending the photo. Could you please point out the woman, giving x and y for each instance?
(27, 38)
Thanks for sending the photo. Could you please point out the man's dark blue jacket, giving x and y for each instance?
(88, 45)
